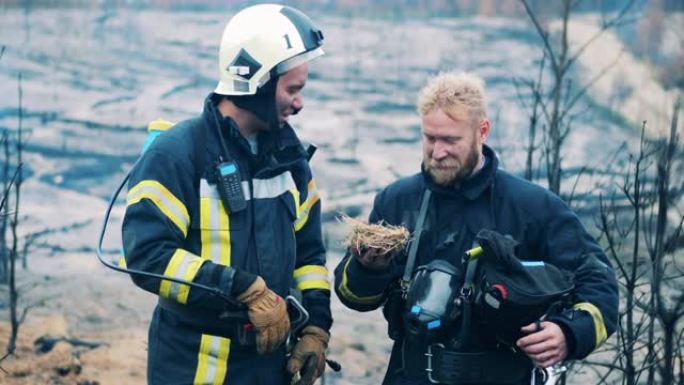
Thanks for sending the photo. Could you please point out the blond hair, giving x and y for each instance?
(455, 93)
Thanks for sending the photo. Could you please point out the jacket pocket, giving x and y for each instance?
(290, 200)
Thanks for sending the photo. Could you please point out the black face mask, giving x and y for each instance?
(431, 306)
(263, 103)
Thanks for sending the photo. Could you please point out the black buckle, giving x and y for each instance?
(549, 375)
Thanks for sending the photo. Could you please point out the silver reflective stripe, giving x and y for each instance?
(311, 277)
(215, 225)
(215, 236)
(212, 359)
(174, 291)
(273, 187)
(207, 190)
(263, 188)
(210, 191)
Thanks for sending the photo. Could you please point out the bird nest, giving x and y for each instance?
(386, 238)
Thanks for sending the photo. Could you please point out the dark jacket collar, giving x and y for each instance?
(472, 187)
(277, 148)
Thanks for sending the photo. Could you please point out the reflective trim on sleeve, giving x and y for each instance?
(347, 294)
(165, 201)
(212, 360)
(599, 325)
(311, 277)
(183, 265)
(214, 226)
(303, 212)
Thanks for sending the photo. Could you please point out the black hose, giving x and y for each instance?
(334, 365)
(98, 250)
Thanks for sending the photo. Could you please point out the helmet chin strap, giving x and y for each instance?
(262, 103)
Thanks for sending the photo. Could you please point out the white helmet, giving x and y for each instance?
(263, 38)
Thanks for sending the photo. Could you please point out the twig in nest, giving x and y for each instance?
(384, 237)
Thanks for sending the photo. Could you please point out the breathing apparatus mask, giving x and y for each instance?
(432, 301)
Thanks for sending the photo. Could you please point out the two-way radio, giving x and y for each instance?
(228, 177)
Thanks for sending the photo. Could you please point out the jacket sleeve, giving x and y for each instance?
(155, 228)
(310, 274)
(593, 317)
(358, 287)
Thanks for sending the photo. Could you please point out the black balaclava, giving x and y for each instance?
(262, 103)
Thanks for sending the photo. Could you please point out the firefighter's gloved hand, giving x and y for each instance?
(373, 258)
(308, 355)
(268, 314)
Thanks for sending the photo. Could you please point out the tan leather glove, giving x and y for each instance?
(268, 314)
(308, 355)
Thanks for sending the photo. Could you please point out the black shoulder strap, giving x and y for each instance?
(200, 139)
(467, 302)
(413, 248)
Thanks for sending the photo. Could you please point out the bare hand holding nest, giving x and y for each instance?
(374, 245)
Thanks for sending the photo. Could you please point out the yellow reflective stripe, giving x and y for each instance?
(310, 269)
(214, 231)
(183, 265)
(303, 213)
(122, 262)
(159, 125)
(311, 277)
(295, 199)
(313, 284)
(344, 290)
(205, 230)
(165, 201)
(212, 360)
(599, 325)
(223, 236)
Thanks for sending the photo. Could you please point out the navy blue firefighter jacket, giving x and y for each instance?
(545, 226)
(176, 225)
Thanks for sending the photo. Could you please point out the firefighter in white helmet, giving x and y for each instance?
(227, 200)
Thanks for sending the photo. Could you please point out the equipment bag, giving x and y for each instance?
(512, 293)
